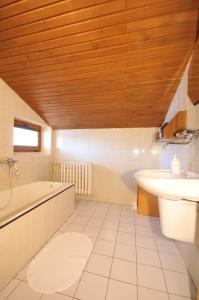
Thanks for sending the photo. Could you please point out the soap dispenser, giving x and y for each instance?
(175, 165)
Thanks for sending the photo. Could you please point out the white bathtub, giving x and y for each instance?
(35, 213)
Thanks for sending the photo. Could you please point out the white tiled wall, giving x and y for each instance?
(32, 167)
(115, 153)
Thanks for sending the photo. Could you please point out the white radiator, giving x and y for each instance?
(79, 173)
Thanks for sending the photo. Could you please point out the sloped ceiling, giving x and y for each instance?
(193, 82)
(97, 63)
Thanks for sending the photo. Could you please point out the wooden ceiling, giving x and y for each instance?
(193, 82)
(97, 63)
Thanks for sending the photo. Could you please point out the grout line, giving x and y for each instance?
(113, 257)
(88, 258)
(162, 269)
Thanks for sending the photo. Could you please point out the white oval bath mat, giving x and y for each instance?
(59, 264)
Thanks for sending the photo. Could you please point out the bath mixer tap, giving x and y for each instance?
(10, 162)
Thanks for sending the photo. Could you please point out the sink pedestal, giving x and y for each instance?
(179, 219)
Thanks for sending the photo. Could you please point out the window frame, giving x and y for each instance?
(28, 126)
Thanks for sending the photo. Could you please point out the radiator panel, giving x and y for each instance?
(79, 173)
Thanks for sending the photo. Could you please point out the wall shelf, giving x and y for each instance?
(167, 133)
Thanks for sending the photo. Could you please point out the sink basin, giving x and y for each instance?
(178, 199)
(167, 185)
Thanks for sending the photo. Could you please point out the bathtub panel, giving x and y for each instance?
(38, 231)
(24, 237)
(50, 217)
(8, 262)
(23, 241)
(69, 205)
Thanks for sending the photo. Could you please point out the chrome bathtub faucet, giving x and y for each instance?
(10, 162)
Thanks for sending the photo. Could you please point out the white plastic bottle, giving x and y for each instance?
(175, 165)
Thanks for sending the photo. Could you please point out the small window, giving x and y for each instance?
(26, 137)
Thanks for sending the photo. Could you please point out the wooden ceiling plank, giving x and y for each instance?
(43, 13)
(68, 58)
(80, 86)
(109, 20)
(83, 37)
(102, 72)
(164, 63)
(66, 65)
(76, 56)
(90, 64)
(125, 39)
(163, 20)
(180, 17)
(69, 18)
(7, 2)
(21, 6)
(67, 72)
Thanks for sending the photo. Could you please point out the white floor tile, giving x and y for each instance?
(125, 227)
(166, 245)
(119, 290)
(85, 213)
(155, 223)
(99, 215)
(71, 290)
(147, 294)
(81, 220)
(143, 230)
(125, 252)
(104, 247)
(108, 235)
(172, 262)
(110, 225)
(95, 222)
(92, 287)
(93, 240)
(126, 238)
(126, 219)
(151, 278)
(145, 242)
(179, 284)
(99, 264)
(55, 296)
(142, 220)
(75, 227)
(157, 233)
(23, 292)
(91, 231)
(114, 211)
(124, 271)
(113, 218)
(148, 257)
(9, 288)
(127, 213)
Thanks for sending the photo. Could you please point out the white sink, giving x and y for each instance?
(166, 185)
(178, 199)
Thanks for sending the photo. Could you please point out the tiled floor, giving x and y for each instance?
(131, 260)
